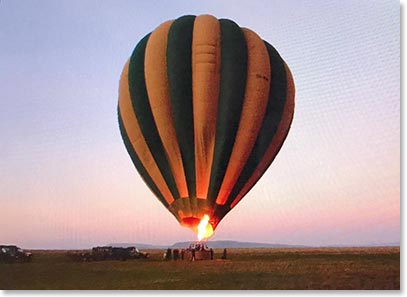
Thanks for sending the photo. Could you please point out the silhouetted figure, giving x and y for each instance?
(211, 250)
(225, 254)
(182, 254)
(168, 256)
(175, 254)
(193, 255)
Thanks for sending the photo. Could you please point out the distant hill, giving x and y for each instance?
(213, 244)
(220, 244)
(238, 244)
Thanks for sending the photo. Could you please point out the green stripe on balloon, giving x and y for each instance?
(142, 110)
(272, 118)
(231, 97)
(179, 70)
(137, 163)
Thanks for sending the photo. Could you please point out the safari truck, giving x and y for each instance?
(120, 253)
(117, 253)
(12, 253)
(101, 253)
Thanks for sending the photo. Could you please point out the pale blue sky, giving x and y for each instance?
(66, 180)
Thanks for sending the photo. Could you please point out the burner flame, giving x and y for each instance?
(205, 229)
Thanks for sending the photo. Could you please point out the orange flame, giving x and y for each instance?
(205, 229)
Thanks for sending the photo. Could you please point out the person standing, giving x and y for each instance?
(168, 254)
(224, 256)
(182, 254)
(193, 255)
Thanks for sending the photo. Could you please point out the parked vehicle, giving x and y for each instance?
(119, 253)
(12, 253)
(102, 253)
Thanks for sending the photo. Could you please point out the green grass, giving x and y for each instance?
(265, 269)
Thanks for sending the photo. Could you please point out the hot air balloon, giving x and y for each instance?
(204, 108)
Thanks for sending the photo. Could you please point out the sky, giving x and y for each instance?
(66, 180)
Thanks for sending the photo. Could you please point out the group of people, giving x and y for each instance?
(198, 247)
(177, 254)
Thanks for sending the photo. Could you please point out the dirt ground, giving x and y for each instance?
(245, 269)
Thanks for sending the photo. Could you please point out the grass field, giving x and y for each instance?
(245, 269)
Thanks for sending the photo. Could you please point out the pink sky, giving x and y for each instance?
(66, 180)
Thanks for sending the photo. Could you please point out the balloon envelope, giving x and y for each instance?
(204, 108)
